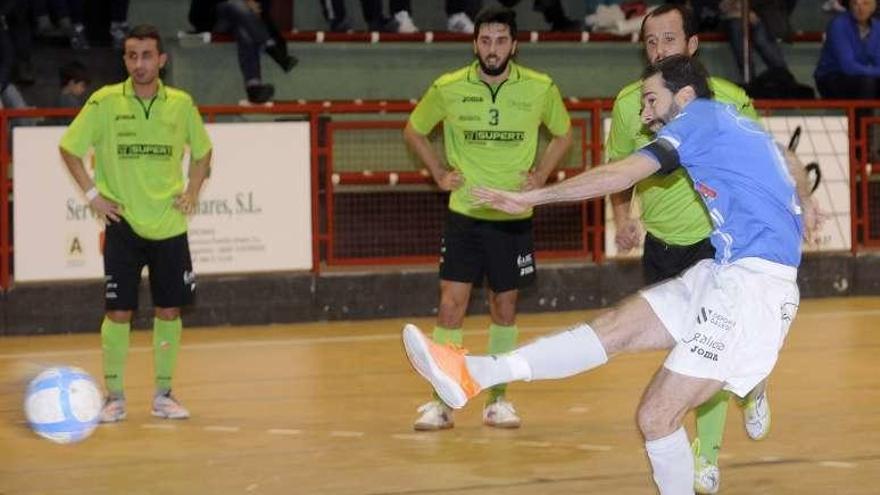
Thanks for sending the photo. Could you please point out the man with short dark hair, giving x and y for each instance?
(492, 111)
(139, 130)
(724, 320)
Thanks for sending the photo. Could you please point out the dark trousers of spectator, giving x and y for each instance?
(119, 11)
(72, 9)
(234, 16)
(336, 15)
(841, 86)
(15, 41)
(763, 43)
(252, 33)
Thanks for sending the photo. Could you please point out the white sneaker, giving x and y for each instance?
(756, 415)
(166, 406)
(113, 410)
(707, 476)
(405, 23)
(460, 23)
(833, 6)
(501, 414)
(435, 416)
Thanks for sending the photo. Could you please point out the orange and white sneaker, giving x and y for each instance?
(442, 365)
(501, 414)
(166, 406)
(435, 415)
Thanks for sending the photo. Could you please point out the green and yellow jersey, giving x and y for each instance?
(490, 133)
(671, 210)
(139, 147)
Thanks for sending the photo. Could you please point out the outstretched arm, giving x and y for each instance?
(595, 182)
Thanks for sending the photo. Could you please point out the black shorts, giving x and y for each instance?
(661, 261)
(502, 251)
(172, 283)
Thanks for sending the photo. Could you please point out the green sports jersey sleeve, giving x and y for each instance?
(626, 134)
(555, 115)
(84, 131)
(199, 142)
(429, 111)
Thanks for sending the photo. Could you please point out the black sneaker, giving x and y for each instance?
(260, 93)
(284, 60)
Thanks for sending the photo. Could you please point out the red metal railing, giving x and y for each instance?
(324, 183)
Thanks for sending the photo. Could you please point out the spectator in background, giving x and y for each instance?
(119, 27)
(69, 16)
(459, 14)
(15, 43)
(254, 31)
(849, 64)
(553, 13)
(75, 81)
(763, 39)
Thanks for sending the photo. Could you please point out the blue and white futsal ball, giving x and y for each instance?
(63, 404)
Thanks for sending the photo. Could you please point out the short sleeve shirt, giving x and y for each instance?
(490, 134)
(671, 209)
(139, 147)
(740, 174)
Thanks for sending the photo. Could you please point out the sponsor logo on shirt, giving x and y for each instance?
(472, 99)
(125, 116)
(706, 191)
(500, 136)
(144, 150)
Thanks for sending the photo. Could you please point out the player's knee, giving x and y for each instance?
(167, 313)
(654, 423)
(118, 316)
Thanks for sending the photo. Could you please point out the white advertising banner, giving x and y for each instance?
(822, 141)
(254, 212)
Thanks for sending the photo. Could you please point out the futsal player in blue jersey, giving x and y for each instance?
(724, 320)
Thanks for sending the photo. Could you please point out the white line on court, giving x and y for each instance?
(158, 426)
(579, 409)
(591, 447)
(346, 434)
(224, 429)
(283, 431)
(533, 443)
(838, 464)
(343, 339)
(412, 436)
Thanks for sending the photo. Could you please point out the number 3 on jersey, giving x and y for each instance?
(493, 116)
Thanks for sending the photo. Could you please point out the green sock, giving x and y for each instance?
(443, 335)
(166, 343)
(711, 416)
(501, 340)
(114, 344)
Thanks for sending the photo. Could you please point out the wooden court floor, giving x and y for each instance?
(327, 408)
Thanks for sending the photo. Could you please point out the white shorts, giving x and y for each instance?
(729, 321)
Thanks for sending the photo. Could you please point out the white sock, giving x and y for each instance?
(673, 463)
(561, 355)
